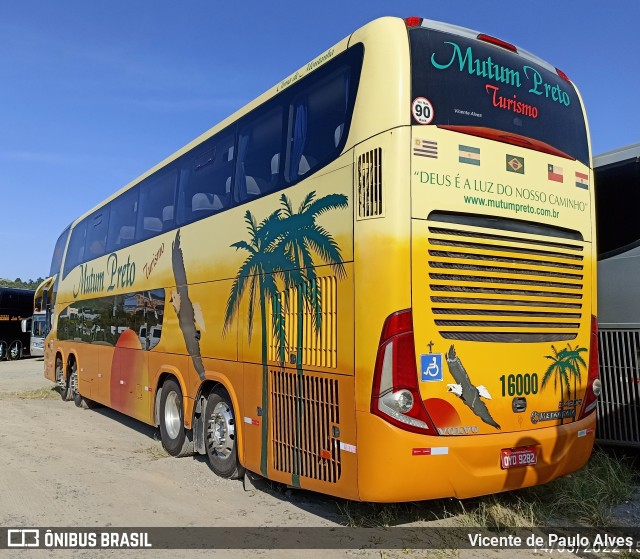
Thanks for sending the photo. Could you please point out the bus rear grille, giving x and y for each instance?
(305, 411)
(619, 403)
(474, 274)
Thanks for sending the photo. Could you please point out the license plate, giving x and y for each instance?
(518, 457)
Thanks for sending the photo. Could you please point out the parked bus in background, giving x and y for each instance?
(15, 306)
(375, 281)
(40, 323)
(617, 175)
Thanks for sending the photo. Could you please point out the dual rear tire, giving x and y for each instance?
(12, 351)
(220, 432)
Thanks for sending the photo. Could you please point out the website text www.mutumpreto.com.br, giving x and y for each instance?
(511, 206)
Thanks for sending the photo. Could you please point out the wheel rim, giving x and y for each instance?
(73, 380)
(59, 376)
(221, 430)
(172, 415)
(3, 350)
(14, 350)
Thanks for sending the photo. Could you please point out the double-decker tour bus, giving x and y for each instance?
(617, 176)
(375, 281)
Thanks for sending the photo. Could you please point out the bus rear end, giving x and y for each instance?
(488, 381)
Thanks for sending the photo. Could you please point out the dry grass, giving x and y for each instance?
(153, 452)
(584, 497)
(48, 393)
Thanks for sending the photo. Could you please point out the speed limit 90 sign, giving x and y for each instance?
(422, 110)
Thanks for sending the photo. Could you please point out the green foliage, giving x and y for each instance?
(28, 284)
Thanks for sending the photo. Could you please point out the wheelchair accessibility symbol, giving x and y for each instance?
(431, 367)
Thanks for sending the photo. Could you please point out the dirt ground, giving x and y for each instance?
(63, 466)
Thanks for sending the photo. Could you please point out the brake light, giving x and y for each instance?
(413, 21)
(395, 394)
(594, 386)
(563, 75)
(507, 138)
(497, 42)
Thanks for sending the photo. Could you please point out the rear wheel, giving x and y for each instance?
(61, 382)
(175, 439)
(72, 389)
(3, 350)
(221, 437)
(84, 403)
(15, 350)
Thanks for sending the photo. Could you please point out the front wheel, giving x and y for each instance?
(175, 439)
(15, 350)
(221, 436)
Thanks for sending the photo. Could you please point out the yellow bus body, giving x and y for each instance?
(390, 255)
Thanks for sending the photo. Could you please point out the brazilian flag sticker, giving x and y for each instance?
(515, 164)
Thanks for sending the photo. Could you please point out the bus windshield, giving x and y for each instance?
(476, 85)
(38, 326)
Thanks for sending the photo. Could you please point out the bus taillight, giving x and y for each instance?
(563, 75)
(497, 42)
(594, 386)
(413, 21)
(395, 394)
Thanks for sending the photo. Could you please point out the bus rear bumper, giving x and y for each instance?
(396, 465)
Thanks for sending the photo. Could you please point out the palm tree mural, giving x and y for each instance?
(265, 262)
(574, 357)
(282, 247)
(566, 363)
(301, 238)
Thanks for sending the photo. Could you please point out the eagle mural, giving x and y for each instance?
(465, 390)
(189, 313)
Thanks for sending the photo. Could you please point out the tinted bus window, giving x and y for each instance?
(75, 250)
(260, 148)
(157, 204)
(97, 226)
(474, 84)
(58, 253)
(319, 115)
(617, 197)
(205, 182)
(122, 226)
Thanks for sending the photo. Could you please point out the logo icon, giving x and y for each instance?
(431, 367)
(23, 538)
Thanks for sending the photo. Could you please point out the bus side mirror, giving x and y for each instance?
(25, 325)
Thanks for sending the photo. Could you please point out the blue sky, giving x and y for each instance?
(92, 94)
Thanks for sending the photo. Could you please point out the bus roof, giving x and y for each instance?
(618, 155)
